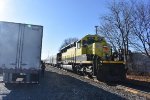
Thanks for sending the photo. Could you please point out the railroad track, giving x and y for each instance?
(127, 87)
(134, 91)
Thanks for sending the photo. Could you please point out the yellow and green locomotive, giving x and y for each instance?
(92, 55)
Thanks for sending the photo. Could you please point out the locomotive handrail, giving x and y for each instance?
(114, 62)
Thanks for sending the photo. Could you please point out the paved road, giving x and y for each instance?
(56, 86)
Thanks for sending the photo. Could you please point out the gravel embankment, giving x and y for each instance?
(111, 90)
(61, 85)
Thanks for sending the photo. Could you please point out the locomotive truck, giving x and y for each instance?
(92, 55)
(20, 52)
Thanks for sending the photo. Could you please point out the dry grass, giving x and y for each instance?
(139, 77)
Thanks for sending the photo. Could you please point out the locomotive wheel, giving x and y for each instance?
(83, 72)
(78, 69)
(75, 69)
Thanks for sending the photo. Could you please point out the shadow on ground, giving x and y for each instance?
(57, 87)
(135, 84)
(140, 85)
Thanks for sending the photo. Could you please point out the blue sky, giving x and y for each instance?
(61, 18)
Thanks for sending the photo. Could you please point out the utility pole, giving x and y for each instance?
(96, 29)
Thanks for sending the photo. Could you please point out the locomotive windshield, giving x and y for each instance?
(91, 40)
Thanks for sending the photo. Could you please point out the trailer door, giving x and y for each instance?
(31, 47)
(9, 42)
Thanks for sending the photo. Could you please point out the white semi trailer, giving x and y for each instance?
(20, 52)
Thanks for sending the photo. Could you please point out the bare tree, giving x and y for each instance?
(141, 27)
(116, 26)
(128, 25)
(67, 42)
(112, 37)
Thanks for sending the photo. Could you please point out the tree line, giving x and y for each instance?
(127, 25)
